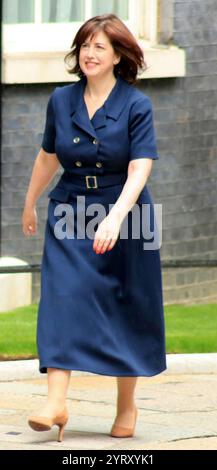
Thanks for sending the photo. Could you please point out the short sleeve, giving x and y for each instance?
(142, 132)
(48, 141)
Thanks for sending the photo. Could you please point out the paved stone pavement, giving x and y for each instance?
(175, 412)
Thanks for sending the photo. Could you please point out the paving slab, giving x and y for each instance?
(175, 412)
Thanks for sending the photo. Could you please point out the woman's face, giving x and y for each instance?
(97, 57)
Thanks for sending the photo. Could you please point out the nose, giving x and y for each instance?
(90, 56)
(90, 52)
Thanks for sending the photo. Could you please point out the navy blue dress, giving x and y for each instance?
(101, 313)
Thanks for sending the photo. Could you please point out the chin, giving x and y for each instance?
(92, 74)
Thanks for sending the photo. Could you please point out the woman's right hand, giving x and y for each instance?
(29, 220)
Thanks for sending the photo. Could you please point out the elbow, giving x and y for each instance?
(141, 167)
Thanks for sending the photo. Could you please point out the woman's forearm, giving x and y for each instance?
(132, 188)
(44, 169)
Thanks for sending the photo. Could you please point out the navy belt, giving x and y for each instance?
(95, 181)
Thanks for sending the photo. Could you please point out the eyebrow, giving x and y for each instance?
(98, 43)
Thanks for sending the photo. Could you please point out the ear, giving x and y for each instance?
(117, 60)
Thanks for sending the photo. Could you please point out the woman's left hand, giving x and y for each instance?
(107, 234)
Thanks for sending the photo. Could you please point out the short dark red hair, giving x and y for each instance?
(122, 40)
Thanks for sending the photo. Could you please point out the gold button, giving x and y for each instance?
(78, 163)
(76, 140)
(98, 164)
(95, 141)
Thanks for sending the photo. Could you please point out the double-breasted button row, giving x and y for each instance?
(77, 139)
(98, 164)
(78, 163)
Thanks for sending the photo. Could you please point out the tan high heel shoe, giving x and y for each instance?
(120, 431)
(43, 423)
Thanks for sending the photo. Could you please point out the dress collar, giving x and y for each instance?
(111, 108)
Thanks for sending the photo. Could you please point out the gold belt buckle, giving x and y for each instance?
(87, 182)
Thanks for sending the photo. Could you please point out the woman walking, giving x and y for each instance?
(101, 305)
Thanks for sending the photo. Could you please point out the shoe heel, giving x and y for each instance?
(43, 423)
(61, 432)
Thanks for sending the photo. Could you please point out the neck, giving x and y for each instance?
(97, 87)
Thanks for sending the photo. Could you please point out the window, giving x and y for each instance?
(62, 11)
(38, 33)
(18, 11)
(37, 25)
(57, 11)
(119, 7)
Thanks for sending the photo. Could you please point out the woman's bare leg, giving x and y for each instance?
(58, 382)
(125, 401)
